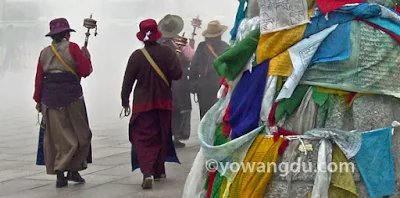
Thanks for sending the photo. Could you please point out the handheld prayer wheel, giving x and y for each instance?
(196, 23)
(180, 41)
(89, 23)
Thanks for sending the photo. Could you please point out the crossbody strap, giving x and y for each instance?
(212, 50)
(154, 65)
(63, 62)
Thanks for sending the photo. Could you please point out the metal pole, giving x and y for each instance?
(88, 34)
(194, 32)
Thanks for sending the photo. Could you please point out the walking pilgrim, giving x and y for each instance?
(170, 27)
(59, 97)
(154, 67)
(202, 68)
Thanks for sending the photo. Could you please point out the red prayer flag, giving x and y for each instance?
(211, 180)
(330, 5)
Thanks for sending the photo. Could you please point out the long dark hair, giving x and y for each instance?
(57, 38)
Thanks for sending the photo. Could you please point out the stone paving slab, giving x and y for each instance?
(40, 192)
(10, 174)
(17, 185)
(31, 149)
(104, 191)
(19, 144)
(125, 145)
(9, 138)
(4, 156)
(107, 152)
(115, 160)
(24, 158)
(93, 168)
(122, 170)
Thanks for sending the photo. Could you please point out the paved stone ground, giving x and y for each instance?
(110, 174)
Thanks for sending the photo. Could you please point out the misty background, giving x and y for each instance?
(23, 24)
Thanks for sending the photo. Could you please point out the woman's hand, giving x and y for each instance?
(38, 107)
(125, 112)
(85, 52)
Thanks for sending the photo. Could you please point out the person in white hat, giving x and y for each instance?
(203, 74)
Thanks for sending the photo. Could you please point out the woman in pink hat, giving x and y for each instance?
(154, 67)
(59, 97)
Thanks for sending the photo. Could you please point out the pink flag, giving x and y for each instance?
(330, 5)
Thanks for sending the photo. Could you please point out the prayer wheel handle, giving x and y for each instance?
(196, 23)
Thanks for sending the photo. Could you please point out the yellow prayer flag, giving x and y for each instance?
(281, 65)
(272, 44)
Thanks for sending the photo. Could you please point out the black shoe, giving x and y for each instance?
(147, 182)
(75, 177)
(159, 177)
(179, 144)
(61, 181)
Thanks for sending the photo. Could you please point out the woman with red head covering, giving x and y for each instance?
(59, 96)
(153, 67)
